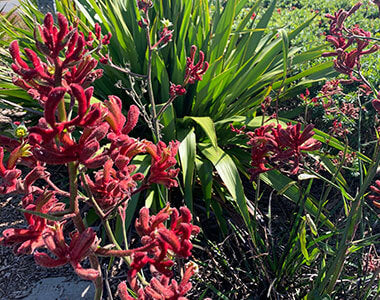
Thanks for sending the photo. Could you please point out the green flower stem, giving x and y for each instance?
(353, 219)
(78, 222)
(111, 236)
(127, 259)
(124, 232)
(90, 196)
(107, 226)
(331, 183)
(156, 125)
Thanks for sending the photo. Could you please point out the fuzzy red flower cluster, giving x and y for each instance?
(68, 62)
(162, 287)
(280, 148)
(160, 244)
(72, 134)
(376, 103)
(376, 196)
(194, 72)
(52, 140)
(81, 245)
(25, 241)
(343, 38)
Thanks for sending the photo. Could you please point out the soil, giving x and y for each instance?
(19, 274)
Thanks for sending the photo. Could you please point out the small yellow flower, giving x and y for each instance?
(19, 130)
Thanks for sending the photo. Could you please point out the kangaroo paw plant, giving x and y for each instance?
(92, 139)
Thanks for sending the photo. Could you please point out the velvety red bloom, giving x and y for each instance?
(160, 240)
(376, 196)
(104, 59)
(81, 245)
(166, 36)
(105, 40)
(292, 142)
(113, 185)
(116, 119)
(65, 48)
(144, 5)
(122, 291)
(176, 90)
(25, 241)
(278, 147)
(9, 174)
(346, 60)
(307, 100)
(263, 146)
(163, 158)
(64, 149)
(194, 72)
(331, 88)
(162, 287)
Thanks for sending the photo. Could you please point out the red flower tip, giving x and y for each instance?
(133, 117)
(176, 90)
(115, 118)
(14, 50)
(376, 105)
(49, 21)
(186, 216)
(169, 237)
(54, 97)
(122, 291)
(142, 223)
(63, 28)
(194, 72)
(86, 274)
(82, 98)
(81, 245)
(46, 261)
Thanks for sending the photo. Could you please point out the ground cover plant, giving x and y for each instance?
(281, 181)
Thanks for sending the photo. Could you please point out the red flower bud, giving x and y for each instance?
(55, 96)
(133, 117)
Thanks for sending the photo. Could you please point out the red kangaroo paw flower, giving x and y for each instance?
(37, 173)
(170, 238)
(86, 274)
(63, 30)
(133, 117)
(49, 21)
(55, 96)
(195, 72)
(46, 261)
(342, 38)
(80, 247)
(14, 50)
(82, 99)
(115, 117)
(25, 241)
(163, 158)
(142, 223)
(122, 291)
(176, 90)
